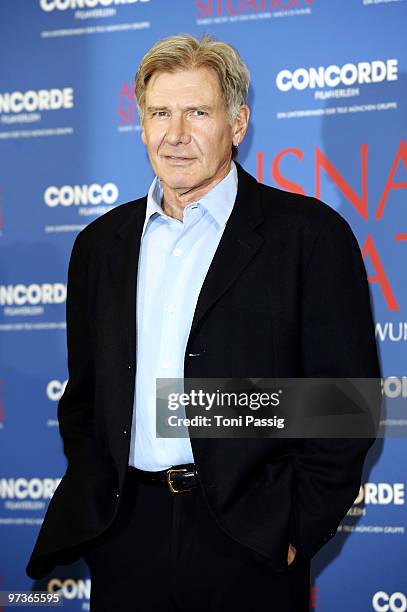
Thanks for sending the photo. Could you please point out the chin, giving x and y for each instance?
(178, 179)
(180, 185)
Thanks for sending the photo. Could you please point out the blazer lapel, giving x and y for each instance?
(238, 245)
(123, 264)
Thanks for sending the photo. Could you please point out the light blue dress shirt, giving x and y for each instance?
(174, 259)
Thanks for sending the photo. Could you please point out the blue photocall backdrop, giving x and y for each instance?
(328, 98)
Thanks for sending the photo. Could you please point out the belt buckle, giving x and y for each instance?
(169, 481)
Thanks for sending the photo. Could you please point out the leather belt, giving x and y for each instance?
(177, 478)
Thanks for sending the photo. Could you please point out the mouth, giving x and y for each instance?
(178, 158)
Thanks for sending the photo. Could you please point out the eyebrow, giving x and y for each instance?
(204, 107)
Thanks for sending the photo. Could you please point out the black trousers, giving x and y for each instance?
(166, 553)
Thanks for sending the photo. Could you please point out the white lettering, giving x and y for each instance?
(393, 387)
(383, 602)
(55, 389)
(381, 493)
(349, 74)
(29, 101)
(69, 195)
(19, 295)
(70, 588)
(63, 5)
(21, 488)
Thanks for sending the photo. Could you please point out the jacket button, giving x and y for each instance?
(129, 366)
(125, 432)
(117, 494)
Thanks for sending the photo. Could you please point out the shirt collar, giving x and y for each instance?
(218, 201)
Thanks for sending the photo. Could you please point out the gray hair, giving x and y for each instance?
(185, 52)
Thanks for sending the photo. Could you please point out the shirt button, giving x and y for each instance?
(165, 364)
(171, 308)
(177, 252)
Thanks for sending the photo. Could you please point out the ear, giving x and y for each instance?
(143, 133)
(241, 124)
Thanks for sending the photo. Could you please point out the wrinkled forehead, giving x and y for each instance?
(198, 85)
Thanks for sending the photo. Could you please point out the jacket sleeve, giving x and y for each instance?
(338, 341)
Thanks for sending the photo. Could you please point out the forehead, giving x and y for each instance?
(197, 85)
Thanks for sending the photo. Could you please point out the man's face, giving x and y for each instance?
(186, 129)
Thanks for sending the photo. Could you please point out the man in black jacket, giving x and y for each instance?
(210, 275)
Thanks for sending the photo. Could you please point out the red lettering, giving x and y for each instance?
(260, 163)
(126, 114)
(126, 108)
(314, 597)
(360, 203)
(280, 180)
(206, 9)
(248, 3)
(230, 8)
(234, 7)
(401, 155)
(126, 92)
(369, 249)
(284, 5)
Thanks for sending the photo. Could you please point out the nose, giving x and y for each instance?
(177, 130)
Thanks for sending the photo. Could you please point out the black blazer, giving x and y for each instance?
(286, 295)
